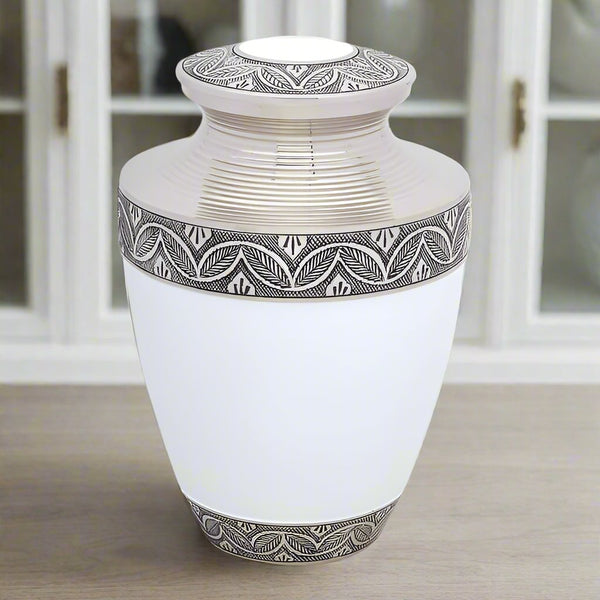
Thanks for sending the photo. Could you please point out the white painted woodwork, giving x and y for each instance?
(70, 330)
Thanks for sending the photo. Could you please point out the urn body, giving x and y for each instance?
(294, 274)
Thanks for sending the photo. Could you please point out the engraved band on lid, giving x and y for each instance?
(297, 68)
(364, 69)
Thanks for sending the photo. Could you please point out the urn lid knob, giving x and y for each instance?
(295, 77)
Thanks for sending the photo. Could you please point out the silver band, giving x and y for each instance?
(269, 265)
(290, 543)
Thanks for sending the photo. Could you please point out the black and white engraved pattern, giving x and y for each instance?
(269, 265)
(367, 69)
(290, 543)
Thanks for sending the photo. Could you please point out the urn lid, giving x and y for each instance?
(295, 77)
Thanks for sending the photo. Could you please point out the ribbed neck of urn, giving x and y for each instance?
(262, 174)
(295, 131)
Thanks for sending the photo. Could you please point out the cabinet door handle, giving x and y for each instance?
(519, 122)
(62, 98)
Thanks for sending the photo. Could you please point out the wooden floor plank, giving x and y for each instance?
(504, 503)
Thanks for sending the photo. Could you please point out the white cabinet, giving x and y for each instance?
(530, 310)
(32, 176)
(553, 295)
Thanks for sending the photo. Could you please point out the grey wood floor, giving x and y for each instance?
(504, 503)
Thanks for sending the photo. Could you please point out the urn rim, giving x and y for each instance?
(295, 77)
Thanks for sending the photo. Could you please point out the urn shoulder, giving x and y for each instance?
(294, 139)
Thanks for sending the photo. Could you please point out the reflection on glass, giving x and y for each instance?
(11, 48)
(575, 48)
(131, 135)
(443, 135)
(571, 259)
(13, 289)
(430, 34)
(149, 37)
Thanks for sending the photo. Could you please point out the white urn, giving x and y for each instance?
(294, 273)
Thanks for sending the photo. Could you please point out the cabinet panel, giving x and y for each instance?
(32, 177)
(131, 134)
(574, 69)
(147, 40)
(571, 247)
(134, 109)
(447, 42)
(13, 288)
(149, 37)
(11, 48)
(570, 281)
(13, 268)
(554, 225)
(443, 135)
(431, 34)
(447, 136)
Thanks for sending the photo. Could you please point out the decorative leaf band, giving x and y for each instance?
(367, 69)
(269, 265)
(290, 543)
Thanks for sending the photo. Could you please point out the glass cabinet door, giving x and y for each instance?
(32, 178)
(570, 280)
(13, 272)
(147, 40)
(571, 240)
(147, 107)
(433, 35)
(142, 106)
(430, 34)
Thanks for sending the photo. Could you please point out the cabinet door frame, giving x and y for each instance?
(90, 228)
(530, 62)
(486, 132)
(93, 318)
(42, 318)
(486, 124)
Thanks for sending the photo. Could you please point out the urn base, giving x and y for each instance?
(289, 543)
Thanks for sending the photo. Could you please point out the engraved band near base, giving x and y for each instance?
(268, 542)
(270, 265)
